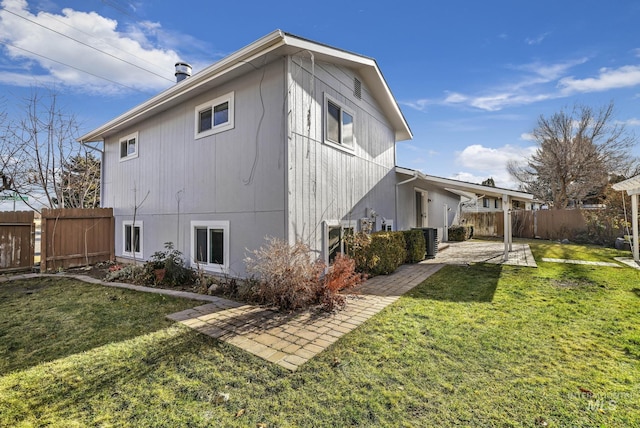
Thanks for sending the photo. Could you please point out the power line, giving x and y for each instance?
(85, 44)
(99, 39)
(71, 66)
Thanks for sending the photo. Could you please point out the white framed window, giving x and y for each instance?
(334, 234)
(132, 238)
(338, 125)
(485, 202)
(210, 245)
(387, 225)
(129, 147)
(214, 116)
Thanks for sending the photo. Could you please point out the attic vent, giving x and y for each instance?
(357, 88)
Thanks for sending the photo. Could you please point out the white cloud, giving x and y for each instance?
(527, 137)
(623, 77)
(142, 64)
(484, 162)
(536, 40)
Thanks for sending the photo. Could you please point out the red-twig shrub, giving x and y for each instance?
(341, 277)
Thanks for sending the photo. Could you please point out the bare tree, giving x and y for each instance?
(577, 150)
(45, 160)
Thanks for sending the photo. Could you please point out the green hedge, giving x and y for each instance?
(379, 253)
(415, 245)
(460, 233)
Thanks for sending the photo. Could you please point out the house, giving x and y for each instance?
(285, 138)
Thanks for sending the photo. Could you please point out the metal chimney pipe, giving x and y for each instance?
(183, 70)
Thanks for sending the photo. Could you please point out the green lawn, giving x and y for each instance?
(483, 345)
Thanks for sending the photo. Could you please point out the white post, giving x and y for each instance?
(445, 232)
(634, 219)
(507, 226)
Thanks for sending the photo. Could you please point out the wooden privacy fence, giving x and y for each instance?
(17, 240)
(76, 237)
(544, 224)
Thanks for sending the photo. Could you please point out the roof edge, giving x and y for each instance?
(464, 184)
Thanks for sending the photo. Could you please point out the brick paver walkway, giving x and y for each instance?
(291, 340)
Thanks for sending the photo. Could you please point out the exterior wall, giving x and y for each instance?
(324, 182)
(237, 175)
(437, 198)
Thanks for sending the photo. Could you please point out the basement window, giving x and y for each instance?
(214, 116)
(210, 245)
(338, 125)
(129, 147)
(132, 239)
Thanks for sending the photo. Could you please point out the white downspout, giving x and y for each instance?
(634, 217)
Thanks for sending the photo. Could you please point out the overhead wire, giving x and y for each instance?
(99, 39)
(85, 44)
(71, 66)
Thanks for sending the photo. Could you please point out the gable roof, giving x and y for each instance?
(276, 44)
(463, 186)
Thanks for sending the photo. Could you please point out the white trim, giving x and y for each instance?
(340, 145)
(229, 124)
(126, 140)
(138, 224)
(211, 224)
(275, 43)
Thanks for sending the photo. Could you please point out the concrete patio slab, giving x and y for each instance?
(474, 251)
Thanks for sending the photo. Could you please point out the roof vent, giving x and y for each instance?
(183, 70)
(357, 88)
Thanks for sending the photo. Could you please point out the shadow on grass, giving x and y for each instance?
(636, 291)
(455, 283)
(63, 389)
(44, 319)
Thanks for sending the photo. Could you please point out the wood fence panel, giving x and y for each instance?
(17, 240)
(544, 224)
(559, 224)
(76, 237)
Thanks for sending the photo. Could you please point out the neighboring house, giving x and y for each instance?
(286, 138)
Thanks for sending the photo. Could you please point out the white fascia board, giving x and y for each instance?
(467, 187)
(244, 55)
(370, 71)
(261, 47)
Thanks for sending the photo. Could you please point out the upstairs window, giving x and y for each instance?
(485, 202)
(129, 147)
(339, 124)
(214, 116)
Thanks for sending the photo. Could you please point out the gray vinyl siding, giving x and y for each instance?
(324, 182)
(236, 175)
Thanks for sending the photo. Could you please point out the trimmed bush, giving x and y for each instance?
(415, 245)
(460, 233)
(379, 253)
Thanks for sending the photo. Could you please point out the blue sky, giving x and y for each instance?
(471, 77)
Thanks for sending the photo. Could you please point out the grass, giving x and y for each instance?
(483, 345)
